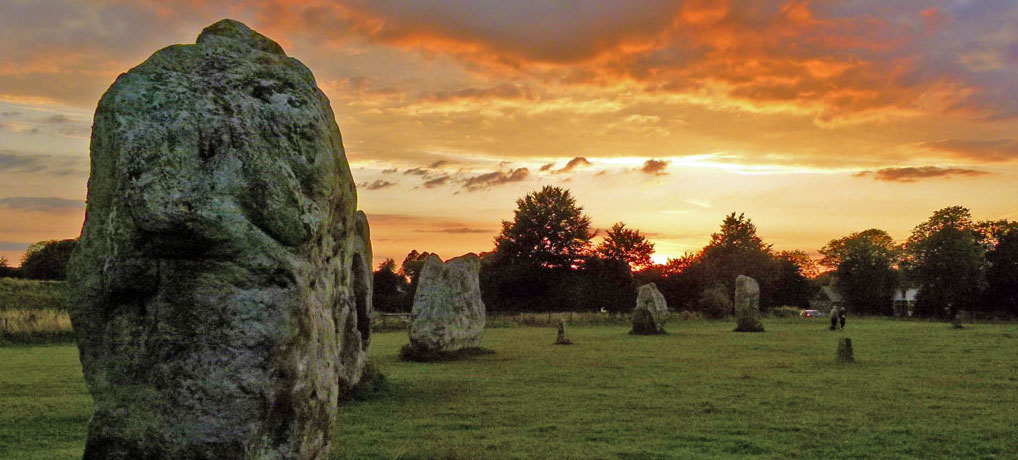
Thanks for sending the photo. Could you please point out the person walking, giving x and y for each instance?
(842, 312)
(834, 318)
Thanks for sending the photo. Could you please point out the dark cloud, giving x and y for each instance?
(11, 114)
(390, 171)
(436, 182)
(913, 174)
(41, 204)
(496, 178)
(982, 150)
(376, 185)
(416, 171)
(439, 164)
(548, 166)
(576, 162)
(654, 167)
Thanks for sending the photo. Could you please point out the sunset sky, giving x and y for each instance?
(816, 119)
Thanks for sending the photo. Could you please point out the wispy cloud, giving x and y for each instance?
(437, 182)
(576, 162)
(496, 178)
(913, 174)
(376, 185)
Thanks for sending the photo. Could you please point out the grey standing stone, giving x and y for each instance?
(221, 289)
(747, 305)
(651, 311)
(448, 314)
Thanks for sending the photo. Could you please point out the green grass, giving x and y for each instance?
(917, 390)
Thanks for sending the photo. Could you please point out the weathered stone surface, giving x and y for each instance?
(747, 305)
(651, 311)
(221, 288)
(562, 339)
(448, 313)
(845, 353)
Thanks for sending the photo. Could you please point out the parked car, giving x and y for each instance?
(812, 314)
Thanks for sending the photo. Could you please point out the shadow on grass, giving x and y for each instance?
(418, 355)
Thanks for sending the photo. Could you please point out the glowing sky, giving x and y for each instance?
(816, 119)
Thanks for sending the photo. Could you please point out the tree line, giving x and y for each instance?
(544, 259)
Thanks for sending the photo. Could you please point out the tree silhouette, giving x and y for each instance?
(47, 260)
(864, 269)
(626, 245)
(548, 229)
(945, 256)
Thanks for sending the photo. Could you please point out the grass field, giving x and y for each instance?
(918, 390)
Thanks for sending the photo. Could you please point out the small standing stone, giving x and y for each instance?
(747, 305)
(562, 338)
(845, 350)
(650, 312)
(959, 317)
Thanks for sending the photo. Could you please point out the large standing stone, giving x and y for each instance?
(651, 311)
(448, 314)
(221, 289)
(747, 305)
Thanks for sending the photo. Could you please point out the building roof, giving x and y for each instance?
(828, 294)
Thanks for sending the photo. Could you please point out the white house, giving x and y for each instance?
(904, 301)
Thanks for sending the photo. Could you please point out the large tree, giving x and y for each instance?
(945, 257)
(736, 250)
(391, 292)
(626, 245)
(1002, 273)
(548, 229)
(47, 259)
(793, 284)
(864, 269)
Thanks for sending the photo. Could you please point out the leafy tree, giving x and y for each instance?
(945, 255)
(547, 230)
(864, 269)
(736, 250)
(391, 290)
(411, 268)
(626, 245)
(48, 259)
(793, 285)
(1002, 273)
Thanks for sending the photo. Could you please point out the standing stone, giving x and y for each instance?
(747, 305)
(221, 289)
(651, 311)
(448, 314)
(845, 354)
(562, 339)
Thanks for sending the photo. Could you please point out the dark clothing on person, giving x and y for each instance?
(841, 318)
(834, 322)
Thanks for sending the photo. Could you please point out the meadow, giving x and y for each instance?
(918, 390)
